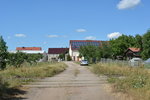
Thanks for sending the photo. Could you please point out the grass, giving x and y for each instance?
(15, 77)
(132, 81)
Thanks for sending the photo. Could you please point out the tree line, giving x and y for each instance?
(15, 59)
(117, 47)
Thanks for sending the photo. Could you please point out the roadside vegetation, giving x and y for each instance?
(116, 48)
(19, 68)
(132, 81)
(13, 77)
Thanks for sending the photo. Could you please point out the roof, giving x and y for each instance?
(57, 50)
(134, 49)
(76, 44)
(28, 48)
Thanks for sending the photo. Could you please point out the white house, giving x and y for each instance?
(53, 53)
(30, 50)
(76, 44)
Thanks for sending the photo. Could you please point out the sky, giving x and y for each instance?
(52, 23)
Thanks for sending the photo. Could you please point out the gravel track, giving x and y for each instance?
(75, 83)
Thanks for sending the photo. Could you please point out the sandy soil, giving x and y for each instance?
(75, 83)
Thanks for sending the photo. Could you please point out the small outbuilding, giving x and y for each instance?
(132, 53)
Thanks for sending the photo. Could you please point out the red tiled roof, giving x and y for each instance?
(134, 49)
(57, 50)
(28, 48)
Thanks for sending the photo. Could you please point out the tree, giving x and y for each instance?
(17, 59)
(62, 56)
(68, 58)
(33, 58)
(3, 53)
(106, 50)
(146, 45)
(121, 44)
(88, 52)
(139, 41)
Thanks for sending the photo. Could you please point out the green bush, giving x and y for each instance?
(68, 58)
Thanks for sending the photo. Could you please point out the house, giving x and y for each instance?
(53, 53)
(30, 50)
(132, 52)
(76, 44)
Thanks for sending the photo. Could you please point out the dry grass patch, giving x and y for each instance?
(15, 77)
(132, 81)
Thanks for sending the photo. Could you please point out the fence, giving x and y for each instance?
(122, 63)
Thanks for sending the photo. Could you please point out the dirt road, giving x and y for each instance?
(76, 83)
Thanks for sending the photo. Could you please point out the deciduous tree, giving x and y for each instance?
(146, 45)
(3, 53)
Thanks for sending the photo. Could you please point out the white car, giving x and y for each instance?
(135, 62)
(84, 62)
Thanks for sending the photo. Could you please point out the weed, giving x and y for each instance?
(15, 77)
(133, 81)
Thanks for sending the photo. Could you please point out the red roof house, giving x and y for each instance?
(132, 52)
(53, 53)
(29, 48)
(134, 49)
(57, 50)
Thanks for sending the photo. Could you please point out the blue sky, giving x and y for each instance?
(52, 23)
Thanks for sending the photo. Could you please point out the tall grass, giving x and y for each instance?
(14, 77)
(133, 81)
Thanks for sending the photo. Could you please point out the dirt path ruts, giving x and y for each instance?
(76, 83)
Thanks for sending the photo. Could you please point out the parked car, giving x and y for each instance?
(84, 62)
(135, 62)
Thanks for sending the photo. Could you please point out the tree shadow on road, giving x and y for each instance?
(14, 94)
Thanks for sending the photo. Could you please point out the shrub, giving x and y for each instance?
(68, 58)
(133, 81)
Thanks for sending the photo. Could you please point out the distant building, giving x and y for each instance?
(132, 52)
(53, 53)
(30, 50)
(76, 44)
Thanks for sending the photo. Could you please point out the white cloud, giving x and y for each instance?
(81, 30)
(114, 35)
(56, 36)
(90, 38)
(53, 36)
(126, 4)
(20, 35)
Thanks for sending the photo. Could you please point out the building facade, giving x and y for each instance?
(53, 53)
(30, 50)
(132, 53)
(76, 44)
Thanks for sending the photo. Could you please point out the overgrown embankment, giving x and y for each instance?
(133, 81)
(12, 78)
